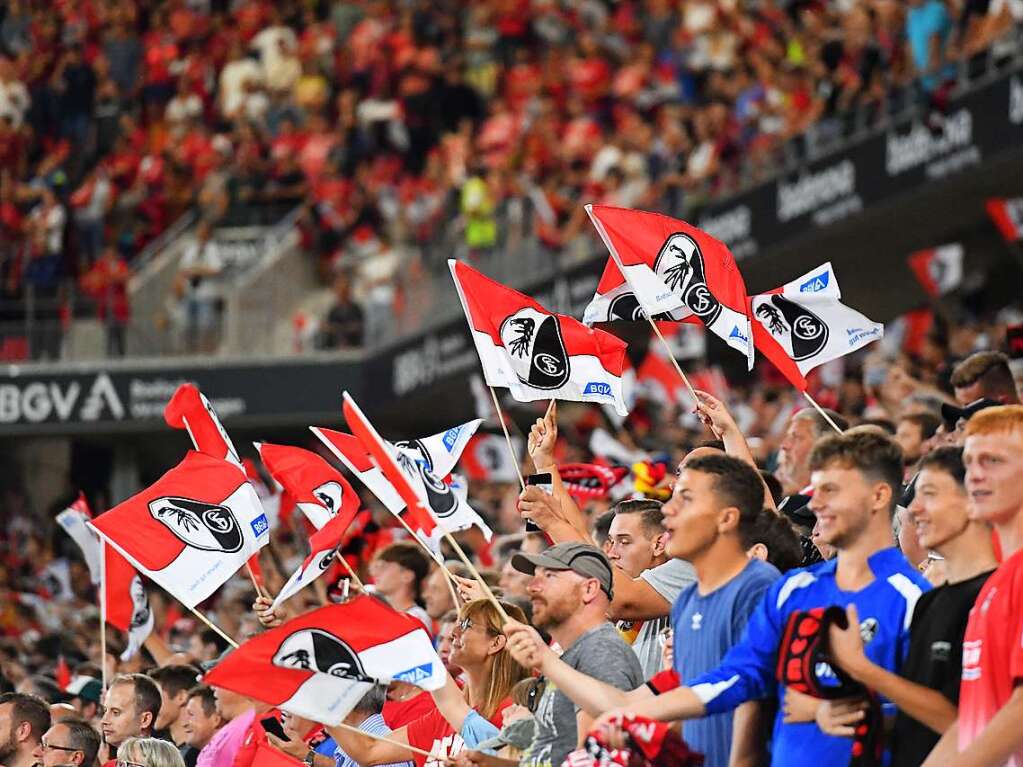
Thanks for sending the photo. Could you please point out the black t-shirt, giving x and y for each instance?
(189, 754)
(935, 660)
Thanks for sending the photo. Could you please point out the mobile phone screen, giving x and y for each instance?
(546, 483)
(273, 726)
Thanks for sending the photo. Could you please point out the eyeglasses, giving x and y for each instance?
(126, 763)
(50, 747)
(466, 623)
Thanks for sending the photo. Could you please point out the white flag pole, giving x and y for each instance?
(822, 411)
(671, 356)
(507, 437)
(103, 610)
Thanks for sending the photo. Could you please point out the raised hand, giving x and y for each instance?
(525, 644)
(543, 436)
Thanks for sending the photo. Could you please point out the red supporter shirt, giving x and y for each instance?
(433, 733)
(992, 652)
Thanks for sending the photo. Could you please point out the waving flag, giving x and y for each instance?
(486, 458)
(668, 270)
(323, 545)
(938, 270)
(190, 410)
(74, 521)
(803, 324)
(534, 353)
(320, 664)
(192, 529)
(1007, 215)
(318, 489)
(418, 470)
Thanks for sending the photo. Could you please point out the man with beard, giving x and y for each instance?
(68, 743)
(804, 429)
(201, 722)
(571, 591)
(23, 720)
(130, 709)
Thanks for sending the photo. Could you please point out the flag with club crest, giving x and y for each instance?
(123, 594)
(666, 269)
(417, 470)
(192, 529)
(534, 353)
(189, 409)
(317, 488)
(320, 664)
(324, 544)
(803, 324)
(1007, 215)
(938, 270)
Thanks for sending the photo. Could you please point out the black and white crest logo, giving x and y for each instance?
(438, 494)
(626, 307)
(201, 525)
(416, 447)
(537, 351)
(316, 650)
(139, 603)
(788, 321)
(868, 629)
(329, 495)
(325, 559)
(680, 264)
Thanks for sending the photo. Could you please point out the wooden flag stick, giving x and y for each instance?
(448, 577)
(507, 437)
(385, 739)
(351, 573)
(103, 610)
(255, 583)
(674, 362)
(213, 626)
(475, 574)
(822, 411)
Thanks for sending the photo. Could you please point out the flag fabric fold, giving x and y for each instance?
(74, 521)
(534, 353)
(190, 410)
(666, 269)
(803, 324)
(192, 529)
(320, 664)
(318, 489)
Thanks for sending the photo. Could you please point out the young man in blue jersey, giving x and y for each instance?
(715, 501)
(856, 479)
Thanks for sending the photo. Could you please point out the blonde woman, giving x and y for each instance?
(148, 752)
(474, 713)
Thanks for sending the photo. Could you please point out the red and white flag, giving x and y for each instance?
(323, 545)
(74, 521)
(409, 469)
(1007, 214)
(192, 529)
(190, 410)
(123, 595)
(320, 664)
(938, 270)
(665, 269)
(318, 489)
(534, 353)
(803, 324)
(486, 458)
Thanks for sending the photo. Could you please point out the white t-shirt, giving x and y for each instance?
(233, 77)
(14, 101)
(207, 256)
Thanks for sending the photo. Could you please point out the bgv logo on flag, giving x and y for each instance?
(316, 650)
(536, 348)
(201, 525)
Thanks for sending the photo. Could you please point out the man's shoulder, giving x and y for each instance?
(669, 578)
(600, 647)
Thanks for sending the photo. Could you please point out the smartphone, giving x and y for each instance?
(273, 726)
(546, 483)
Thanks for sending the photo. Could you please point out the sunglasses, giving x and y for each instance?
(535, 692)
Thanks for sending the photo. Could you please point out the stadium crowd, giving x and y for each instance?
(403, 129)
(694, 591)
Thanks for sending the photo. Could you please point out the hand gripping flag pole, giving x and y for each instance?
(351, 573)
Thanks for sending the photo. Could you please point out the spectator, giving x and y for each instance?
(197, 286)
(14, 98)
(437, 596)
(150, 752)
(107, 283)
(773, 539)
(238, 714)
(130, 709)
(307, 740)
(206, 646)
(85, 692)
(174, 682)
(345, 323)
(398, 573)
(201, 722)
(912, 433)
(24, 719)
(68, 743)
(984, 375)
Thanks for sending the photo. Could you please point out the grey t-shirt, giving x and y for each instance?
(601, 653)
(667, 579)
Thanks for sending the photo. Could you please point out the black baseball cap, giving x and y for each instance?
(952, 415)
(582, 558)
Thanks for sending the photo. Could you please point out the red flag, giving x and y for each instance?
(268, 756)
(62, 674)
(666, 269)
(486, 458)
(417, 513)
(318, 489)
(74, 521)
(938, 270)
(351, 452)
(192, 529)
(256, 568)
(190, 410)
(320, 664)
(125, 600)
(1007, 215)
(535, 353)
